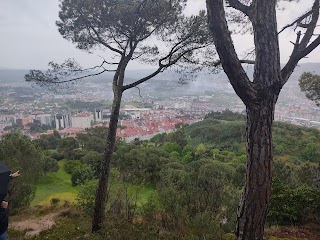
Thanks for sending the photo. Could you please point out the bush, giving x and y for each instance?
(82, 174)
(54, 201)
(57, 156)
(86, 196)
(72, 165)
(293, 205)
(229, 236)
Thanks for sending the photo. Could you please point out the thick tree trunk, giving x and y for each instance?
(102, 190)
(259, 96)
(255, 201)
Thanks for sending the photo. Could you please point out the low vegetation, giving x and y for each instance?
(182, 185)
(55, 185)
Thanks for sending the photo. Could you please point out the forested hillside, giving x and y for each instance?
(182, 185)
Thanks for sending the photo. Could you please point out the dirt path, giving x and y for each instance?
(311, 232)
(35, 226)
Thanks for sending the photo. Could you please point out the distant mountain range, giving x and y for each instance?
(167, 82)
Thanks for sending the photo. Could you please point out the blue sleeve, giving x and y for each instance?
(3, 220)
(4, 186)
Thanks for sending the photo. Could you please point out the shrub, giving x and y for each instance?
(293, 205)
(72, 165)
(86, 196)
(54, 201)
(229, 236)
(82, 174)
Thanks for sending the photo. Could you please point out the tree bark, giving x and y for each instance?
(260, 97)
(255, 201)
(102, 190)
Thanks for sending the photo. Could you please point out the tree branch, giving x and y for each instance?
(245, 61)
(99, 39)
(139, 91)
(117, 42)
(162, 66)
(69, 69)
(136, 83)
(33, 76)
(311, 47)
(311, 26)
(302, 49)
(177, 58)
(174, 49)
(298, 20)
(227, 53)
(110, 63)
(160, 69)
(236, 4)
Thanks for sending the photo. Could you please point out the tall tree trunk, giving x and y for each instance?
(259, 96)
(255, 201)
(102, 190)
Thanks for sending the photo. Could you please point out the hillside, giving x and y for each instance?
(228, 133)
(180, 185)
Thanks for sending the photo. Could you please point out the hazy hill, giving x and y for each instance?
(12, 76)
(166, 84)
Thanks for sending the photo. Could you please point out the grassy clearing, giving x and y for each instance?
(55, 185)
(139, 193)
(58, 185)
(144, 193)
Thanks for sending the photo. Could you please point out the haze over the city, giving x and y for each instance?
(30, 38)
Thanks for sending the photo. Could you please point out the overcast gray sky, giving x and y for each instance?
(30, 39)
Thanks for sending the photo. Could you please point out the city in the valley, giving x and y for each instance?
(155, 107)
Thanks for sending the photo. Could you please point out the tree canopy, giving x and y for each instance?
(19, 153)
(154, 32)
(310, 84)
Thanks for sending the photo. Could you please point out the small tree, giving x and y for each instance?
(201, 151)
(66, 146)
(50, 164)
(131, 31)
(261, 93)
(19, 153)
(310, 84)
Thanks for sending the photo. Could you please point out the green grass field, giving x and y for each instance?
(55, 185)
(144, 193)
(58, 185)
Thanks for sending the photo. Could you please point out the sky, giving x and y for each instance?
(29, 38)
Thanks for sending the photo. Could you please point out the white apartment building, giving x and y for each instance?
(45, 119)
(82, 120)
(4, 124)
(98, 115)
(63, 121)
(8, 118)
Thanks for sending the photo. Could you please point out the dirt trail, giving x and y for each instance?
(35, 226)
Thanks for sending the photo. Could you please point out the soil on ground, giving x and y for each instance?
(35, 226)
(308, 232)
